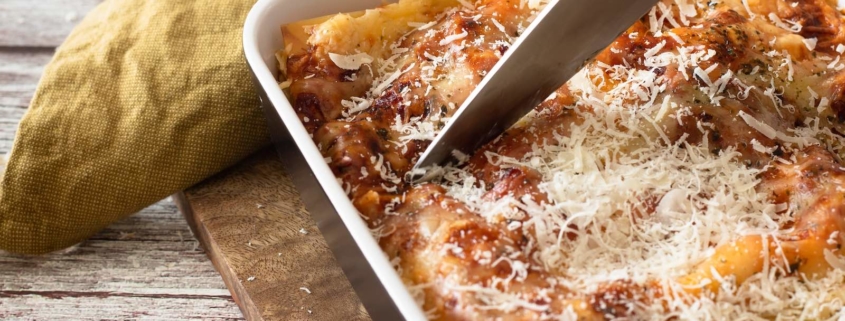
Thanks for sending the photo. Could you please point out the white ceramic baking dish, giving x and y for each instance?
(359, 255)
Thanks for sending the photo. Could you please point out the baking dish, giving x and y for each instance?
(372, 276)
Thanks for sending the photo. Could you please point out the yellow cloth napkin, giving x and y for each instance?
(145, 98)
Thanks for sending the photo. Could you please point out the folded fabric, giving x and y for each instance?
(145, 98)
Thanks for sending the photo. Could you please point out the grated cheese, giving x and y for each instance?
(834, 260)
(810, 43)
(628, 198)
(452, 38)
(498, 25)
(350, 62)
(422, 26)
(748, 9)
(787, 25)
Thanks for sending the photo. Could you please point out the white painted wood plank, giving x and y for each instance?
(57, 306)
(145, 267)
(20, 71)
(147, 263)
(40, 23)
(9, 118)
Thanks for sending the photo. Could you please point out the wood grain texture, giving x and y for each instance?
(29, 307)
(20, 71)
(266, 245)
(9, 118)
(147, 266)
(41, 23)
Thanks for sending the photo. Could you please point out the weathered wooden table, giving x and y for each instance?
(146, 266)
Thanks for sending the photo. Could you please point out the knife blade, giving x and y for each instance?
(565, 35)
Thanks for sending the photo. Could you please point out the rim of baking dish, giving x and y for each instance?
(359, 231)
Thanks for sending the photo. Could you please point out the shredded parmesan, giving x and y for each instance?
(834, 260)
(787, 25)
(452, 38)
(638, 186)
(810, 43)
(351, 62)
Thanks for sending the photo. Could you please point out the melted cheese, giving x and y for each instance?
(374, 30)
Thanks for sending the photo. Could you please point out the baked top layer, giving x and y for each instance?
(693, 170)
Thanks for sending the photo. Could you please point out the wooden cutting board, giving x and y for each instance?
(264, 243)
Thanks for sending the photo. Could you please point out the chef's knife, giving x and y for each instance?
(565, 35)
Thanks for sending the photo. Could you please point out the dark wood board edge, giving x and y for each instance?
(267, 247)
(239, 294)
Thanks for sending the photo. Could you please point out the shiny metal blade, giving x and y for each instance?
(566, 35)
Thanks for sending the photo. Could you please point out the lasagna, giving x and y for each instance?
(693, 170)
